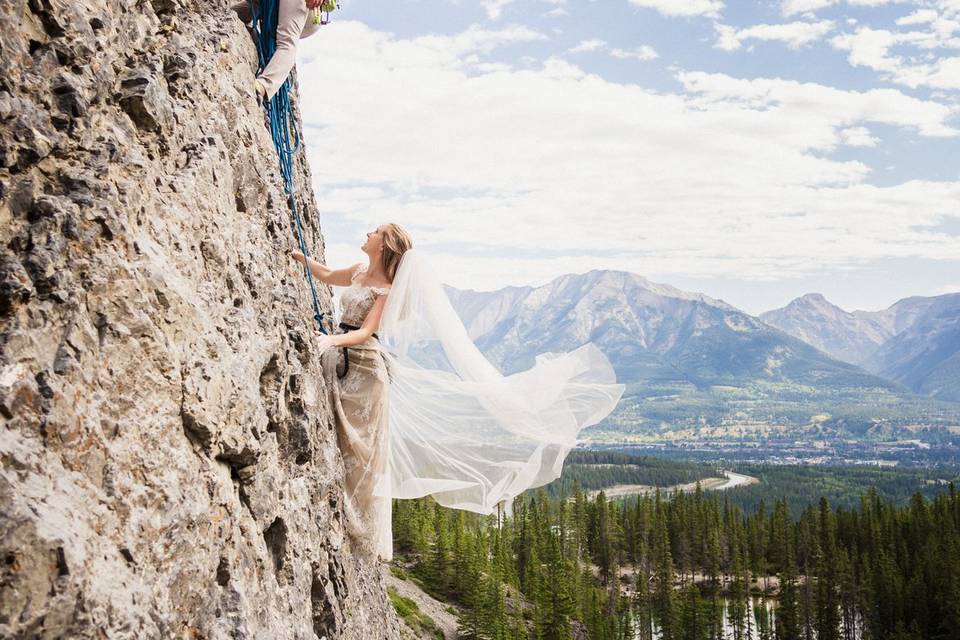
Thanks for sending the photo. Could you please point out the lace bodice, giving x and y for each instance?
(357, 300)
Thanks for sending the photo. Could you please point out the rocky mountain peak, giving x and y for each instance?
(613, 283)
(815, 303)
(812, 298)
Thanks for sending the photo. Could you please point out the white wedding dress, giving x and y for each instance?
(421, 411)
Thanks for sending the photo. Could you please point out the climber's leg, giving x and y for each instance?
(290, 23)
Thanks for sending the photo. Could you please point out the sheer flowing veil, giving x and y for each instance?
(459, 429)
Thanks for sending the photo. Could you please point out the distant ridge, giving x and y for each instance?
(915, 341)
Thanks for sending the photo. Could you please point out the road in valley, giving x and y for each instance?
(729, 480)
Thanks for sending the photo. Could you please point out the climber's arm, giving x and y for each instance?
(370, 325)
(323, 273)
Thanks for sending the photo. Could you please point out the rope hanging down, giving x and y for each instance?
(286, 139)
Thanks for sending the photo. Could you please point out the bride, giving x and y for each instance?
(420, 411)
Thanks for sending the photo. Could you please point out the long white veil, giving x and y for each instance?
(459, 429)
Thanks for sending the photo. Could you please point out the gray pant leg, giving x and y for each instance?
(291, 20)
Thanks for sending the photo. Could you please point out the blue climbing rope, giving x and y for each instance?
(283, 129)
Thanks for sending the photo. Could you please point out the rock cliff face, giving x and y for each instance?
(168, 465)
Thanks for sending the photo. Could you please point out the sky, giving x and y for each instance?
(753, 151)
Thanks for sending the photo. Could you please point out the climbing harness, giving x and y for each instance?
(286, 138)
(346, 351)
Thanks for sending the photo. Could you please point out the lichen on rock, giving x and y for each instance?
(168, 464)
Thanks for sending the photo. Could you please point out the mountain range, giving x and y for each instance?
(692, 359)
(914, 342)
(649, 331)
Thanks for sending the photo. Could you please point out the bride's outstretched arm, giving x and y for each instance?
(339, 277)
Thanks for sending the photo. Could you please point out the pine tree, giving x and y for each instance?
(461, 551)
(737, 606)
(497, 625)
(828, 606)
(518, 624)
(601, 538)
(713, 573)
(663, 599)
(694, 621)
(787, 619)
(439, 566)
(472, 619)
(555, 601)
(643, 604)
(807, 553)
(849, 596)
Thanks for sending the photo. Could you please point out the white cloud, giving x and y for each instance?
(915, 51)
(793, 34)
(873, 48)
(558, 10)
(726, 37)
(950, 288)
(492, 67)
(869, 47)
(518, 175)
(588, 45)
(822, 104)
(682, 8)
(858, 137)
(920, 16)
(944, 74)
(643, 52)
(474, 41)
(495, 8)
(793, 7)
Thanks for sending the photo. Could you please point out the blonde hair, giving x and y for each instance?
(396, 242)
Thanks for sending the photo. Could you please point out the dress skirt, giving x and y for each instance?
(360, 403)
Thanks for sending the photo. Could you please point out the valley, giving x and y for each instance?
(758, 447)
(700, 370)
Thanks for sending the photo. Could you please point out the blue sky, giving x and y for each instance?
(755, 151)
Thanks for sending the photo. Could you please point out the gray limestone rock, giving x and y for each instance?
(168, 464)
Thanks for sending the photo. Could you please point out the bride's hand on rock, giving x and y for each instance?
(324, 342)
(296, 255)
